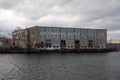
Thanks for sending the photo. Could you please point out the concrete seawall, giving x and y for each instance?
(56, 50)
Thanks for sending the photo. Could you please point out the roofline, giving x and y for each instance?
(58, 27)
(67, 27)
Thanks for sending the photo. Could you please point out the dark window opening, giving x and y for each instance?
(90, 43)
(77, 44)
(48, 44)
(42, 44)
(63, 44)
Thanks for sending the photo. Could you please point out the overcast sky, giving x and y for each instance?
(103, 14)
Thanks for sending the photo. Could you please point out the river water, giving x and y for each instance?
(56, 66)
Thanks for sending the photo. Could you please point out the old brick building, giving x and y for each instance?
(60, 37)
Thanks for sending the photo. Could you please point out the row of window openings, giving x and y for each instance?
(63, 44)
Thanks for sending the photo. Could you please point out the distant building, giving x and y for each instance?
(113, 44)
(5, 42)
(113, 41)
(60, 37)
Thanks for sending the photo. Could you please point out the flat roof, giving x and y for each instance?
(58, 27)
(66, 27)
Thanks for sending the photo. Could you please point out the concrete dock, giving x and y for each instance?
(18, 50)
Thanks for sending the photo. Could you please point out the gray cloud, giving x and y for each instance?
(77, 13)
(5, 4)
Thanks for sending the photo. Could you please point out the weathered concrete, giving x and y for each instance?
(57, 50)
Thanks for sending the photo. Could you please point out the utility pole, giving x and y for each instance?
(60, 40)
